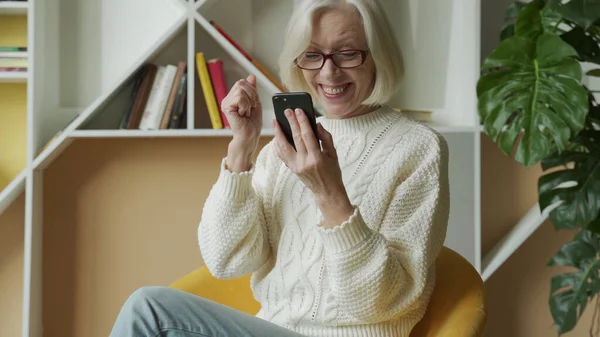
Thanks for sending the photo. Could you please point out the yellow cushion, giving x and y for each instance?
(457, 307)
(234, 293)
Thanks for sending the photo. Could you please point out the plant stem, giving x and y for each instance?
(557, 24)
(535, 92)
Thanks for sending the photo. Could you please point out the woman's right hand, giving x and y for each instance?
(244, 112)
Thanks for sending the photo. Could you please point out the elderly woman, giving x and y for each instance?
(341, 235)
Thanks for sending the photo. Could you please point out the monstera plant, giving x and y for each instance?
(534, 105)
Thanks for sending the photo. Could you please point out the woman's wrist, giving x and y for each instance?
(239, 155)
(335, 209)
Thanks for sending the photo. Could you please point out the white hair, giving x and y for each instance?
(382, 44)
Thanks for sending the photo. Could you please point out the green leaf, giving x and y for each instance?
(582, 12)
(571, 292)
(594, 73)
(532, 89)
(510, 17)
(551, 20)
(530, 20)
(529, 23)
(587, 48)
(577, 188)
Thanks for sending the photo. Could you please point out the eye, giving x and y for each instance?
(349, 54)
(312, 56)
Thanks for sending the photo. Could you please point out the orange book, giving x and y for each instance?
(246, 55)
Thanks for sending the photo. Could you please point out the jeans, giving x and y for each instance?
(167, 312)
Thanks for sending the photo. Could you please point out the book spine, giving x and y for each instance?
(166, 117)
(217, 77)
(178, 109)
(166, 84)
(209, 94)
(141, 98)
(152, 102)
(134, 92)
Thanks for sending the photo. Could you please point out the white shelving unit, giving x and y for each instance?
(84, 56)
(14, 7)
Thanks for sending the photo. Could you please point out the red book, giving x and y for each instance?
(217, 78)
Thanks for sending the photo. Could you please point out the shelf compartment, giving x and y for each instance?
(233, 69)
(112, 101)
(81, 57)
(109, 116)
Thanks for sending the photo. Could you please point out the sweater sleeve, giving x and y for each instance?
(233, 233)
(378, 275)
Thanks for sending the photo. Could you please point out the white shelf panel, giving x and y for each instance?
(12, 191)
(13, 8)
(13, 54)
(157, 133)
(13, 77)
(463, 222)
(528, 224)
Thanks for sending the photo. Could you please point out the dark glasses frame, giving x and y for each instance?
(325, 57)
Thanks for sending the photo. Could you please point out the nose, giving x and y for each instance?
(329, 70)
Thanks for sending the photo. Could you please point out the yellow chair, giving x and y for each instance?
(457, 307)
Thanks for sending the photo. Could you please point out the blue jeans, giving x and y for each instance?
(167, 312)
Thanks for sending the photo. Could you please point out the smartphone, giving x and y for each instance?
(293, 100)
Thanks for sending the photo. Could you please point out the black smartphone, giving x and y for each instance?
(293, 100)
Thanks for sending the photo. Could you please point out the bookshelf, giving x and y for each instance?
(85, 56)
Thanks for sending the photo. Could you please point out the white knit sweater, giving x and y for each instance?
(371, 276)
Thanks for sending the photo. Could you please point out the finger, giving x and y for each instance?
(296, 132)
(284, 149)
(250, 91)
(326, 141)
(251, 79)
(308, 136)
(244, 104)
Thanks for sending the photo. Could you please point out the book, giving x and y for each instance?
(13, 62)
(141, 97)
(166, 117)
(179, 108)
(217, 78)
(207, 89)
(158, 98)
(12, 48)
(139, 76)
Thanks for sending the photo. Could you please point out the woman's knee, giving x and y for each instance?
(147, 297)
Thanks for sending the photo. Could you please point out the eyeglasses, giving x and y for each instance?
(347, 58)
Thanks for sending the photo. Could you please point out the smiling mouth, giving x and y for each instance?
(334, 91)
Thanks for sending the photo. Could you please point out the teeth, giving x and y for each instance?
(334, 90)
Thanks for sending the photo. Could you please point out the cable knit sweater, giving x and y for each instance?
(371, 276)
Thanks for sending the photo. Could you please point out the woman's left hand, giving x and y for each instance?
(317, 168)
